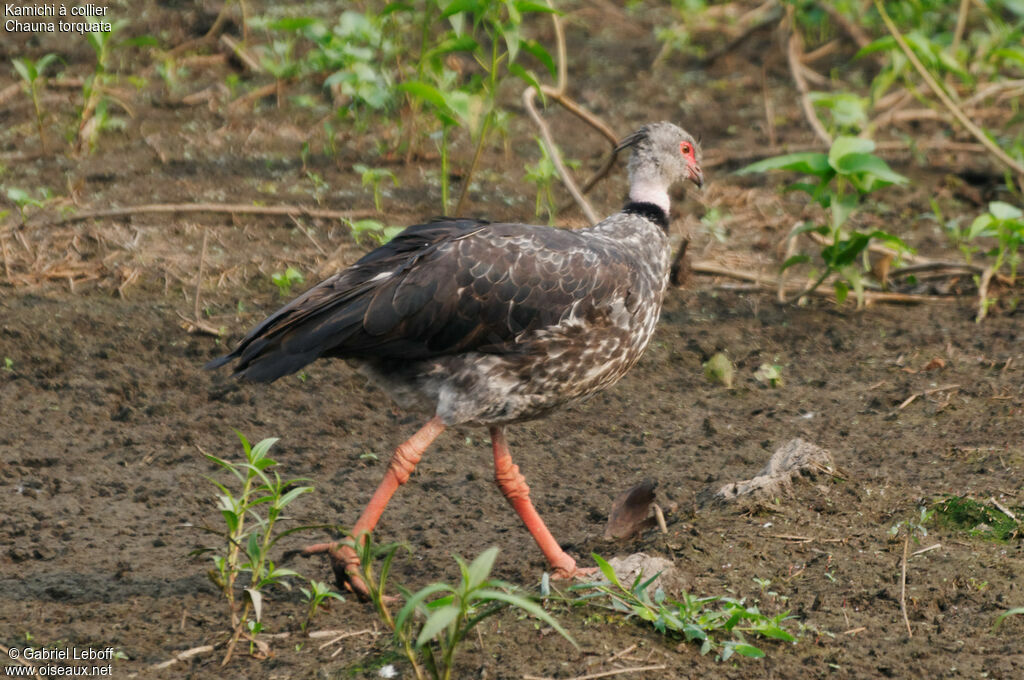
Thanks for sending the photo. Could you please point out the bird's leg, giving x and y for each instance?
(513, 486)
(403, 462)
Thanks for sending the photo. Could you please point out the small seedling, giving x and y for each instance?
(374, 229)
(1016, 611)
(719, 369)
(692, 618)
(849, 165)
(249, 535)
(435, 620)
(769, 374)
(1004, 223)
(31, 72)
(375, 177)
(543, 174)
(23, 199)
(8, 364)
(317, 593)
(284, 281)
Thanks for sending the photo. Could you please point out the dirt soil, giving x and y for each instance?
(105, 408)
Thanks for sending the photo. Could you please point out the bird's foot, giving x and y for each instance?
(576, 573)
(564, 568)
(346, 566)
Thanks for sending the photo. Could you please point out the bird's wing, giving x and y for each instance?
(437, 289)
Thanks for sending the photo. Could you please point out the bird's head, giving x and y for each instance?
(663, 154)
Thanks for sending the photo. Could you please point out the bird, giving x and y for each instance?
(487, 323)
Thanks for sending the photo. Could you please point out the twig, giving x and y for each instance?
(794, 55)
(924, 550)
(243, 54)
(855, 32)
(557, 93)
(1002, 508)
(233, 208)
(183, 656)
(556, 156)
(926, 75)
(604, 674)
(198, 326)
(259, 93)
(619, 655)
(986, 278)
(909, 400)
(199, 276)
(854, 631)
(903, 585)
(961, 24)
(729, 47)
(339, 637)
(304, 230)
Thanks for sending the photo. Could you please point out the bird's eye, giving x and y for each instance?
(684, 147)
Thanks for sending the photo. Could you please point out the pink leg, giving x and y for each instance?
(403, 462)
(513, 485)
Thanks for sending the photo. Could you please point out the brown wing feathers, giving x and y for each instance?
(438, 288)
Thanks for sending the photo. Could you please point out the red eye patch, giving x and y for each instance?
(686, 149)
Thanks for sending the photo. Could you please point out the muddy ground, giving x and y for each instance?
(105, 408)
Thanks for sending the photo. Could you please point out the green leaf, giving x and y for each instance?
(535, 49)
(842, 290)
(845, 145)
(607, 570)
(525, 6)
(1004, 211)
(480, 569)
(525, 75)
(528, 606)
(776, 633)
(416, 600)
(871, 166)
(980, 226)
(1016, 611)
(808, 163)
(747, 650)
(26, 69)
(459, 6)
(437, 622)
(794, 260)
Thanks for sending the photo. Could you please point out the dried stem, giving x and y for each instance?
(794, 54)
(232, 208)
(903, 585)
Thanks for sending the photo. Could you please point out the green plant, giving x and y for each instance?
(978, 519)
(769, 374)
(1004, 223)
(435, 620)
(8, 364)
(23, 199)
(249, 535)
(96, 92)
(31, 71)
(374, 229)
(844, 175)
(692, 618)
(543, 174)
(375, 177)
(286, 279)
(1016, 611)
(317, 593)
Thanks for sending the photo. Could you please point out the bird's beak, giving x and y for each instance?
(697, 176)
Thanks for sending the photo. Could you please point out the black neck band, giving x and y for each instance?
(649, 211)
